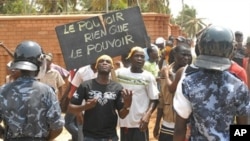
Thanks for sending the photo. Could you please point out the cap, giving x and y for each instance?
(154, 46)
(136, 48)
(181, 39)
(160, 40)
(104, 57)
(212, 62)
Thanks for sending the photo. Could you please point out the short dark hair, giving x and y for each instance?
(238, 33)
(151, 48)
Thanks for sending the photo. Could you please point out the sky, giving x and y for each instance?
(234, 14)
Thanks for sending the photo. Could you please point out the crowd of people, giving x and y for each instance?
(197, 92)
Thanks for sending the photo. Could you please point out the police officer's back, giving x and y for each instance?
(29, 109)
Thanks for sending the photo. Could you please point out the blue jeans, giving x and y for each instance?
(71, 125)
(102, 139)
(80, 133)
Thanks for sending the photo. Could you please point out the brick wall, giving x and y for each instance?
(14, 29)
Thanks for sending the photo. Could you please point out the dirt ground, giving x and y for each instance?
(65, 136)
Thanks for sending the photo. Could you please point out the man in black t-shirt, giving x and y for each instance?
(103, 98)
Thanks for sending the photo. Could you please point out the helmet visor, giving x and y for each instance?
(212, 62)
(24, 65)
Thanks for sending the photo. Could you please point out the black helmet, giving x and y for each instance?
(217, 41)
(27, 56)
(215, 46)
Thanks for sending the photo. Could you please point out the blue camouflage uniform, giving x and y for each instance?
(29, 109)
(211, 100)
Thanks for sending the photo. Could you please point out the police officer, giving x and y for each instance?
(29, 109)
(209, 96)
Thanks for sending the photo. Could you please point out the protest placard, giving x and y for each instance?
(114, 34)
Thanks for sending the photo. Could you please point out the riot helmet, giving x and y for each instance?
(27, 56)
(217, 41)
(216, 45)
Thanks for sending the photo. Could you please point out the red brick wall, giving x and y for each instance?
(14, 29)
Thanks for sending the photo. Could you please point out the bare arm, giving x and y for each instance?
(127, 97)
(60, 94)
(160, 63)
(180, 128)
(7, 49)
(54, 133)
(241, 120)
(248, 73)
(145, 119)
(2, 130)
(158, 121)
(160, 106)
(123, 113)
(76, 109)
(172, 85)
(152, 107)
(72, 90)
(66, 91)
(64, 101)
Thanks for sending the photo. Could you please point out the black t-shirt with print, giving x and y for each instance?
(100, 121)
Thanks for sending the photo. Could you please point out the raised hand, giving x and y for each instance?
(91, 103)
(127, 97)
(7, 49)
(166, 72)
(2, 45)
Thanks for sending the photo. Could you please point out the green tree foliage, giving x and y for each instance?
(11, 7)
(102, 5)
(157, 6)
(186, 19)
(145, 5)
(29, 7)
(56, 6)
(70, 6)
(189, 22)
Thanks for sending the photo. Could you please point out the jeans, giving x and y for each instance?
(80, 134)
(71, 125)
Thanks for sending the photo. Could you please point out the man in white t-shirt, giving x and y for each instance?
(145, 97)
